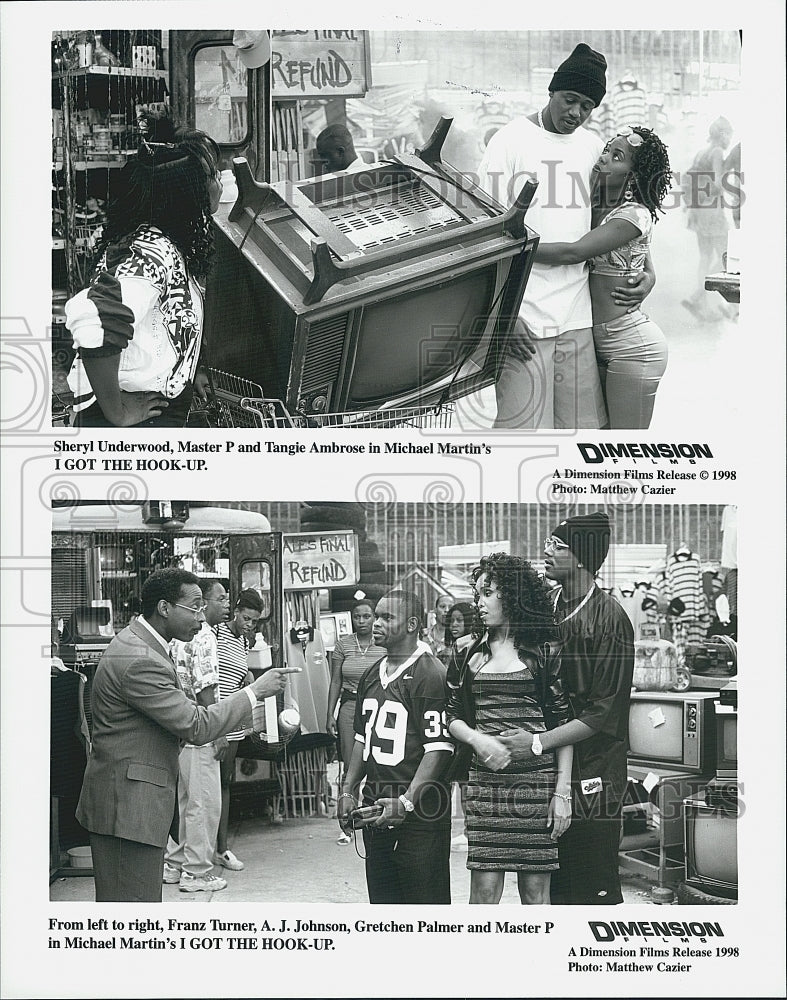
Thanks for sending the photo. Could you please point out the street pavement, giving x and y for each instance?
(299, 861)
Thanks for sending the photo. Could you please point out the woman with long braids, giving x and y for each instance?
(502, 679)
(137, 327)
(630, 181)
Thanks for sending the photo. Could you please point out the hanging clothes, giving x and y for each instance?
(683, 579)
(729, 544)
(729, 555)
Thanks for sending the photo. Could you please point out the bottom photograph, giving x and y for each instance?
(418, 703)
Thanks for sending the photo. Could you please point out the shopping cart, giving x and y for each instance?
(237, 402)
(223, 407)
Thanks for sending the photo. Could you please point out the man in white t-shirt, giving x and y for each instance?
(550, 377)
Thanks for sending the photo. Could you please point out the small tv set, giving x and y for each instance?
(392, 288)
(87, 624)
(711, 843)
(726, 741)
(334, 625)
(672, 729)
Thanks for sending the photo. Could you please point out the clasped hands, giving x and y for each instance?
(497, 752)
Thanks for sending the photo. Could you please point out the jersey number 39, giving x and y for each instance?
(388, 722)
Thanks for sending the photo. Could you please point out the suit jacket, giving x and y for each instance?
(140, 718)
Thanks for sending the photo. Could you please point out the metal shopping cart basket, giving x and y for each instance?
(238, 402)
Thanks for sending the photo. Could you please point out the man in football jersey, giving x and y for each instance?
(402, 749)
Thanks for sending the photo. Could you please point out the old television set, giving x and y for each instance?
(391, 288)
(711, 842)
(333, 625)
(674, 730)
(726, 740)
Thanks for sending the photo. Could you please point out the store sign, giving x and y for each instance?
(320, 64)
(322, 559)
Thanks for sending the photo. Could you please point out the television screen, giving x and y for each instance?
(711, 846)
(333, 626)
(410, 340)
(656, 730)
(726, 743)
(328, 629)
(729, 736)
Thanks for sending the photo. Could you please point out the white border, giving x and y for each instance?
(393, 966)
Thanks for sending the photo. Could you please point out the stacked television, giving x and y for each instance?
(683, 778)
(711, 816)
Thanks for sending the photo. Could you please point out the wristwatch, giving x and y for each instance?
(536, 748)
(408, 805)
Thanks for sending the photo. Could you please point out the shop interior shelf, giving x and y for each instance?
(152, 74)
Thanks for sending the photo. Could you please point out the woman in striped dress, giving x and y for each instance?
(351, 658)
(503, 680)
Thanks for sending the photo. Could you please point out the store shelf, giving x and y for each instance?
(85, 71)
(114, 163)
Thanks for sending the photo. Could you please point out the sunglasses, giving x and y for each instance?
(634, 139)
(552, 544)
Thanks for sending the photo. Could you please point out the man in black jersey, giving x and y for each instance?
(402, 749)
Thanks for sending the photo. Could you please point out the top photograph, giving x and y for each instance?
(480, 231)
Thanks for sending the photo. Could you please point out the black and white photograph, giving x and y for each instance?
(474, 603)
(515, 230)
(429, 686)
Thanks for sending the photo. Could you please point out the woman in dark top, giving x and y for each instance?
(504, 679)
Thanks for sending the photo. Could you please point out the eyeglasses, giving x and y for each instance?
(633, 138)
(195, 611)
(552, 544)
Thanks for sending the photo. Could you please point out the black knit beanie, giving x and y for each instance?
(587, 535)
(584, 72)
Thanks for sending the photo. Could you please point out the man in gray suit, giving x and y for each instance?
(140, 718)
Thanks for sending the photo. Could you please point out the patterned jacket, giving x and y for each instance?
(143, 305)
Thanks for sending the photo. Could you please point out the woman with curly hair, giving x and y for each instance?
(137, 327)
(502, 679)
(630, 181)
